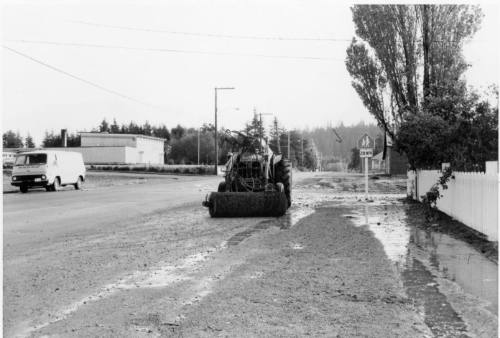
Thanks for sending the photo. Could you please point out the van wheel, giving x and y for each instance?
(24, 189)
(57, 184)
(78, 184)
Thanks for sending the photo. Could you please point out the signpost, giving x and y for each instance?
(365, 145)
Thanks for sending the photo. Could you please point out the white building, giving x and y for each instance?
(378, 163)
(101, 148)
(8, 157)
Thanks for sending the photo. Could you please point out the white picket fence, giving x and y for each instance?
(471, 197)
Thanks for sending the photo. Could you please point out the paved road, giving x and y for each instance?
(55, 214)
(58, 241)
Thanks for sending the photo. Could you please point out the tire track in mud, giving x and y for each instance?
(198, 277)
(161, 275)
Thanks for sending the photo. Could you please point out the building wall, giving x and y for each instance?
(139, 149)
(101, 155)
(396, 164)
(108, 140)
(149, 151)
(8, 157)
(119, 155)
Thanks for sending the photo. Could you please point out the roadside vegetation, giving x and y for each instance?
(161, 169)
(407, 66)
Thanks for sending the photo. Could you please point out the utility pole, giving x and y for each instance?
(260, 131)
(216, 138)
(277, 135)
(302, 150)
(289, 147)
(198, 146)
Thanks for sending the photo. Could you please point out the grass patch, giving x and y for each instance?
(164, 169)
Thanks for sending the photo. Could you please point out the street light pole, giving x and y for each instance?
(198, 146)
(289, 147)
(216, 139)
(301, 150)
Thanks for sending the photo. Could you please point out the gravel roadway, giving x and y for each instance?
(137, 256)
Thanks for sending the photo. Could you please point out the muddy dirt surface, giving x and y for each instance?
(130, 259)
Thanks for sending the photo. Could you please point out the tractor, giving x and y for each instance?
(257, 182)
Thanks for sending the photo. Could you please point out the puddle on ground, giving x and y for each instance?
(429, 262)
(422, 288)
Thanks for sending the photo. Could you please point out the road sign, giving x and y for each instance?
(364, 152)
(366, 145)
(366, 142)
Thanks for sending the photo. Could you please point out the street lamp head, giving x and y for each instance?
(224, 88)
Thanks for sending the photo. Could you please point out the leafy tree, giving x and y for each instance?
(162, 132)
(355, 163)
(147, 129)
(29, 142)
(384, 68)
(178, 132)
(398, 43)
(114, 128)
(276, 132)
(104, 126)
(379, 144)
(51, 140)
(74, 140)
(466, 141)
(12, 140)
(133, 128)
(369, 81)
(328, 144)
(185, 149)
(444, 30)
(254, 128)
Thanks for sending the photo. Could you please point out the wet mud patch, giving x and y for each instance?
(322, 277)
(422, 288)
(446, 224)
(455, 284)
(240, 236)
(293, 215)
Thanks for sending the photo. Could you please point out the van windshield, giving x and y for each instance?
(31, 159)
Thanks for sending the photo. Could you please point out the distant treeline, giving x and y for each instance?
(327, 144)
(181, 143)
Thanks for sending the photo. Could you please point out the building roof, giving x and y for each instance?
(45, 151)
(378, 156)
(108, 135)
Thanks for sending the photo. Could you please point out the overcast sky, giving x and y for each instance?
(301, 79)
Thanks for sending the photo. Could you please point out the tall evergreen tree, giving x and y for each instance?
(12, 139)
(29, 142)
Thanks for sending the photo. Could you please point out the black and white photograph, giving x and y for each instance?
(264, 168)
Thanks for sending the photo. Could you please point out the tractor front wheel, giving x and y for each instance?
(284, 175)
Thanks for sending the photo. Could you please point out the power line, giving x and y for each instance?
(168, 50)
(93, 84)
(209, 35)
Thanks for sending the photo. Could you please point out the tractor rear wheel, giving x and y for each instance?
(222, 187)
(284, 175)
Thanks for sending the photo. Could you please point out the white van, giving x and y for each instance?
(49, 169)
